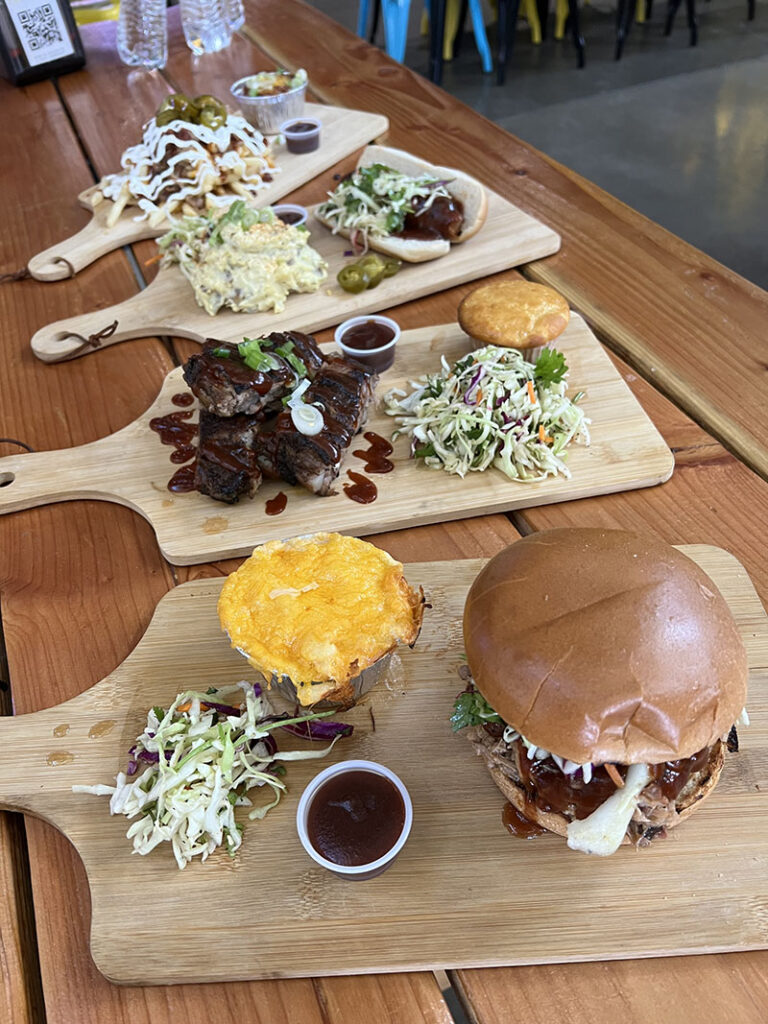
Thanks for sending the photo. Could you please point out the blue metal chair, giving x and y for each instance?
(395, 16)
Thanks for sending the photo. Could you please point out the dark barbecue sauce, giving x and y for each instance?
(672, 776)
(549, 789)
(276, 505)
(362, 490)
(375, 457)
(365, 339)
(367, 335)
(290, 217)
(183, 480)
(443, 219)
(174, 430)
(183, 398)
(518, 825)
(302, 126)
(355, 818)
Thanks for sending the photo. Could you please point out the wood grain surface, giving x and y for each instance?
(675, 312)
(343, 132)
(168, 306)
(81, 579)
(296, 919)
(132, 467)
(92, 571)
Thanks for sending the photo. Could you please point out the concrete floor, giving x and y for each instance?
(678, 132)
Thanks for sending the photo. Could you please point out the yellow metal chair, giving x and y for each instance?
(453, 11)
(88, 11)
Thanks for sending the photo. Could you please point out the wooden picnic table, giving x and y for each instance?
(79, 581)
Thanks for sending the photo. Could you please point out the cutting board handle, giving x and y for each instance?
(137, 317)
(67, 258)
(32, 757)
(38, 478)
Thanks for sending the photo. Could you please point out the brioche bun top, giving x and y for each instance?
(605, 646)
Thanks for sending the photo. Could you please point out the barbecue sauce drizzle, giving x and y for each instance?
(375, 457)
(274, 506)
(362, 490)
(548, 789)
(173, 430)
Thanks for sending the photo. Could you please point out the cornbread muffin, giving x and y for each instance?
(313, 613)
(515, 314)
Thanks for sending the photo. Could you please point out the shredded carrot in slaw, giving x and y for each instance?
(531, 393)
(613, 772)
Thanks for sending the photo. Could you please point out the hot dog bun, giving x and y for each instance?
(465, 188)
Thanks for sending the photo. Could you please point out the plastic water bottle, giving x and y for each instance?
(205, 24)
(142, 33)
(235, 13)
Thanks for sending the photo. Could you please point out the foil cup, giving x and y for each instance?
(356, 687)
(267, 113)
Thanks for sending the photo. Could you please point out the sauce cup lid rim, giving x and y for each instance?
(285, 127)
(343, 327)
(340, 768)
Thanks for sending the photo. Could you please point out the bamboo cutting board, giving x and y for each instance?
(463, 893)
(343, 132)
(167, 306)
(132, 467)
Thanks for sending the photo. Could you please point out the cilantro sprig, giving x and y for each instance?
(551, 367)
(471, 708)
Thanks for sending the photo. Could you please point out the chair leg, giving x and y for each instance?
(672, 6)
(648, 9)
(460, 30)
(542, 8)
(693, 28)
(508, 12)
(750, 10)
(578, 38)
(375, 21)
(481, 39)
(624, 14)
(362, 17)
(436, 34)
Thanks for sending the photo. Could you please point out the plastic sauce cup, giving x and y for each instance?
(356, 872)
(377, 359)
(291, 213)
(302, 134)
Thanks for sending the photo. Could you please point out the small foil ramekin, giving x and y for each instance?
(267, 113)
(352, 690)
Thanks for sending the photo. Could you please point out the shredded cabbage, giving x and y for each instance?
(479, 413)
(202, 763)
(374, 201)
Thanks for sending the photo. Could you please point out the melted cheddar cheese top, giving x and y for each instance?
(318, 609)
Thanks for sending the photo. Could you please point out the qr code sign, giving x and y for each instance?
(40, 27)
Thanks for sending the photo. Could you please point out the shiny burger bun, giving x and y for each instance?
(514, 314)
(605, 646)
(461, 186)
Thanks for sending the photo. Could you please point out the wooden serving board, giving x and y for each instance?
(343, 132)
(167, 306)
(132, 467)
(463, 893)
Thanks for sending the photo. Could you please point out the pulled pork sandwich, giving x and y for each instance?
(605, 677)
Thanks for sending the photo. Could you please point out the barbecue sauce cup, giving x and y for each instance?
(354, 818)
(370, 340)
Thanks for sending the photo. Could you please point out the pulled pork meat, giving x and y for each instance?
(674, 785)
